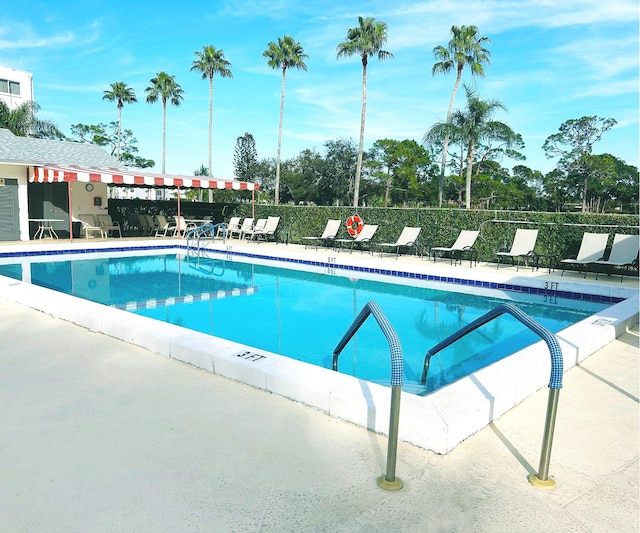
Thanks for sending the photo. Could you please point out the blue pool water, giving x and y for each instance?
(303, 315)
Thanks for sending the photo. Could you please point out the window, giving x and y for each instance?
(10, 87)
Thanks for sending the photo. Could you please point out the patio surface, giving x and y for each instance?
(100, 435)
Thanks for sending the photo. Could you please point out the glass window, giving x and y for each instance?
(4, 86)
(14, 87)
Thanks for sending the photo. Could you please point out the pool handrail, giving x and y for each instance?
(541, 479)
(388, 481)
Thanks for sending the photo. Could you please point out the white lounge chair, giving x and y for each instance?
(267, 230)
(89, 226)
(624, 253)
(328, 235)
(464, 244)
(362, 239)
(407, 239)
(591, 249)
(108, 225)
(522, 247)
(232, 225)
(247, 225)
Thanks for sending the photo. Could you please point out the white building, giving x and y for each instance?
(16, 86)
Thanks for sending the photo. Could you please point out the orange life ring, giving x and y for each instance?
(354, 225)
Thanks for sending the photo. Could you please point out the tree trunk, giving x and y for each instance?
(119, 131)
(276, 195)
(445, 147)
(211, 134)
(164, 133)
(467, 187)
(356, 184)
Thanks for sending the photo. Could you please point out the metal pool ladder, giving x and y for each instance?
(388, 481)
(205, 231)
(541, 479)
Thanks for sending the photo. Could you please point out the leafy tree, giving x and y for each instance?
(23, 122)
(366, 40)
(465, 48)
(475, 125)
(245, 158)
(286, 53)
(164, 88)
(405, 166)
(107, 136)
(121, 94)
(209, 62)
(573, 144)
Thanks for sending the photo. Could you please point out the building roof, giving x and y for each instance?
(16, 150)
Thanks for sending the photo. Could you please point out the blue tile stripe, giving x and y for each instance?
(570, 295)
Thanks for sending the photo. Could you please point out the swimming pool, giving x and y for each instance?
(438, 421)
(302, 314)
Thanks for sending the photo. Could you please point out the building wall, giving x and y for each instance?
(16, 86)
(20, 173)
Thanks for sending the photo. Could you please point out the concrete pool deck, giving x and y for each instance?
(105, 435)
(99, 435)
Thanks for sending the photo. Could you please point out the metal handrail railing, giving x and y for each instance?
(388, 481)
(207, 229)
(555, 381)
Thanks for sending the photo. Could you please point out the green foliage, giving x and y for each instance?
(245, 158)
(559, 233)
(106, 135)
(23, 122)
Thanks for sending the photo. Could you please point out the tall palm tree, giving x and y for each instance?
(210, 62)
(466, 48)
(122, 94)
(365, 40)
(165, 88)
(475, 125)
(286, 53)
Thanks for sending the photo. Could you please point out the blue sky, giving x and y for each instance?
(550, 61)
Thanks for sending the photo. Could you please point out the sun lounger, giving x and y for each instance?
(523, 244)
(363, 239)
(591, 249)
(89, 226)
(463, 245)
(108, 225)
(624, 254)
(247, 225)
(266, 231)
(406, 240)
(328, 236)
(232, 225)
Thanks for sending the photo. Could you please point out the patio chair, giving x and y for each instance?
(624, 253)
(89, 226)
(328, 236)
(108, 225)
(257, 227)
(522, 247)
(407, 239)
(267, 231)
(163, 226)
(591, 249)
(247, 225)
(151, 223)
(463, 245)
(179, 226)
(363, 238)
(233, 224)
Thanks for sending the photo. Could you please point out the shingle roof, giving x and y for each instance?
(29, 151)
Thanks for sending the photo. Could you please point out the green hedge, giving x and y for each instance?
(559, 233)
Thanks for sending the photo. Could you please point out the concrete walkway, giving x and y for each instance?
(98, 435)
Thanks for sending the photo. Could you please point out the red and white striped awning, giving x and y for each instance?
(112, 176)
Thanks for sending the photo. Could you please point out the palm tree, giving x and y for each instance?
(286, 53)
(164, 87)
(23, 122)
(365, 40)
(466, 48)
(211, 61)
(121, 94)
(475, 125)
